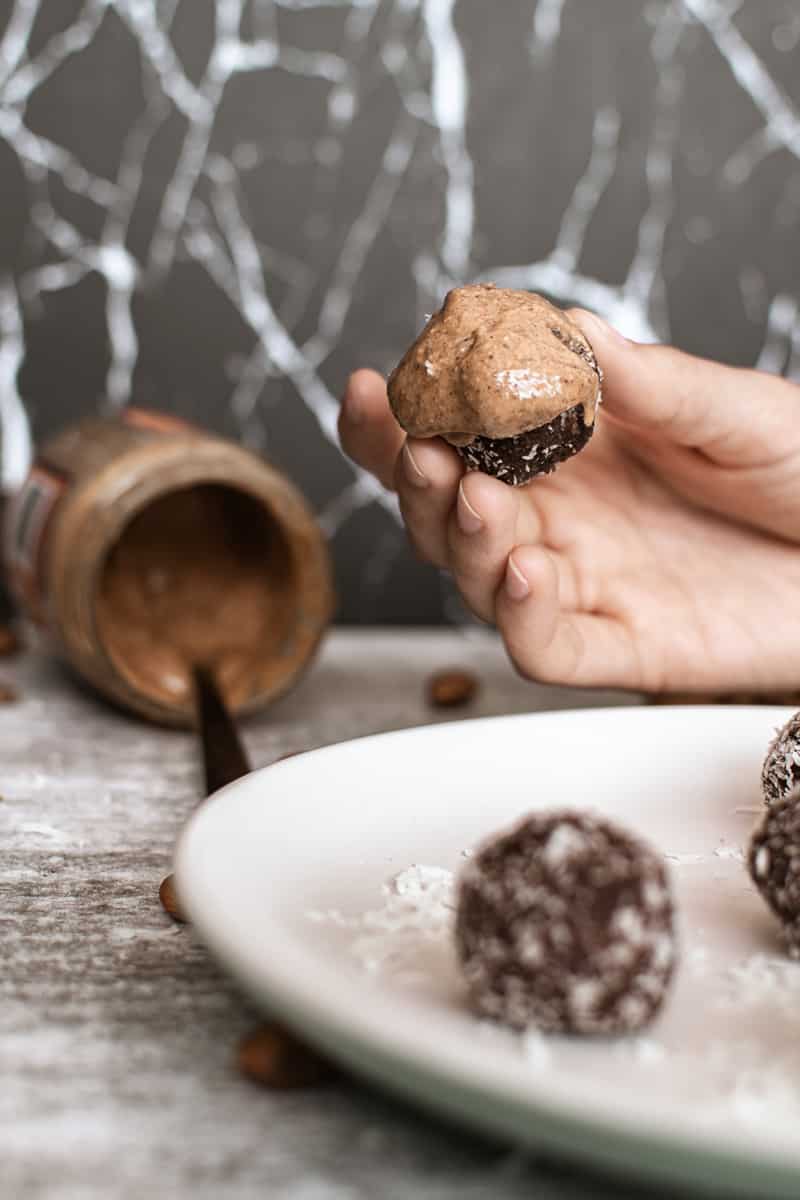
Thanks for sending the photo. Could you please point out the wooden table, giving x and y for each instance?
(118, 1033)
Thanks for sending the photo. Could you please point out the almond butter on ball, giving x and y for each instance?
(505, 377)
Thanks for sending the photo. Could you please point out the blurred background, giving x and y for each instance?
(220, 209)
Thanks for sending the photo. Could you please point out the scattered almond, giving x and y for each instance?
(449, 689)
(275, 1058)
(169, 899)
(9, 642)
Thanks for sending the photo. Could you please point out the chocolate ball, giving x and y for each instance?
(781, 771)
(773, 860)
(517, 460)
(566, 923)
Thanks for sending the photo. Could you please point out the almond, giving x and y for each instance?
(169, 899)
(449, 689)
(275, 1058)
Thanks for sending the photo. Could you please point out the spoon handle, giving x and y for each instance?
(224, 756)
(272, 1055)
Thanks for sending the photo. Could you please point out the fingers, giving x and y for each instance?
(483, 528)
(426, 476)
(487, 521)
(551, 645)
(735, 416)
(424, 473)
(368, 432)
(468, 523)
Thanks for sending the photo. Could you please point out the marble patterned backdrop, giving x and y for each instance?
(221, 208)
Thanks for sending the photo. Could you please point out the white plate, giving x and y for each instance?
(282, 875)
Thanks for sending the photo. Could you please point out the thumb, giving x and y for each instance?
(736, 416)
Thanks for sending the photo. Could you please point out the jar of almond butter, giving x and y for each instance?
(144, 546)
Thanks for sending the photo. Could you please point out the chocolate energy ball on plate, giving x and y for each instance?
(781, 771)
(505, 377)
(773, 860)
(566, 924)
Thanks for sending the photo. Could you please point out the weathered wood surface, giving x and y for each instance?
(118, 1033)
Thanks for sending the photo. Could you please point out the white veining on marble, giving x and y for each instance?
(359, 241)
(588, 190)
(15, 38)
(449, 99)
(782, 122)
(781, 337)
(637, 307)
(546, 27)
(14, 428)
(420, 47)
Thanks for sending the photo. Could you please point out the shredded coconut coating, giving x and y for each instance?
(517, 460)
(774, 863)
(781, 771)
(566, 924)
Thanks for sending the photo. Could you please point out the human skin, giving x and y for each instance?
(662, 558)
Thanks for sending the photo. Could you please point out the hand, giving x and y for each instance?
(662, 558)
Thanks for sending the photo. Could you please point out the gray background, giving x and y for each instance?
(221, 209)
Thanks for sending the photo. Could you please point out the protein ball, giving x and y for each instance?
(781, 771)
(566, 924)
(773, 860)
(505, 377)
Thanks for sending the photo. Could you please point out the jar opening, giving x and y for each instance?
(203, 574)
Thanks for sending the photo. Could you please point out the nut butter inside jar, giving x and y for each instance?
(201, 575)
(167, 552)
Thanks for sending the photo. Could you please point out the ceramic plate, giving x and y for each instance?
(324, 884)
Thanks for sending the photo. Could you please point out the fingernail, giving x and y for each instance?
(413, 473)
(354, 411)
(355, 415)
(517, 586)
(602, 329)
(469, 521)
